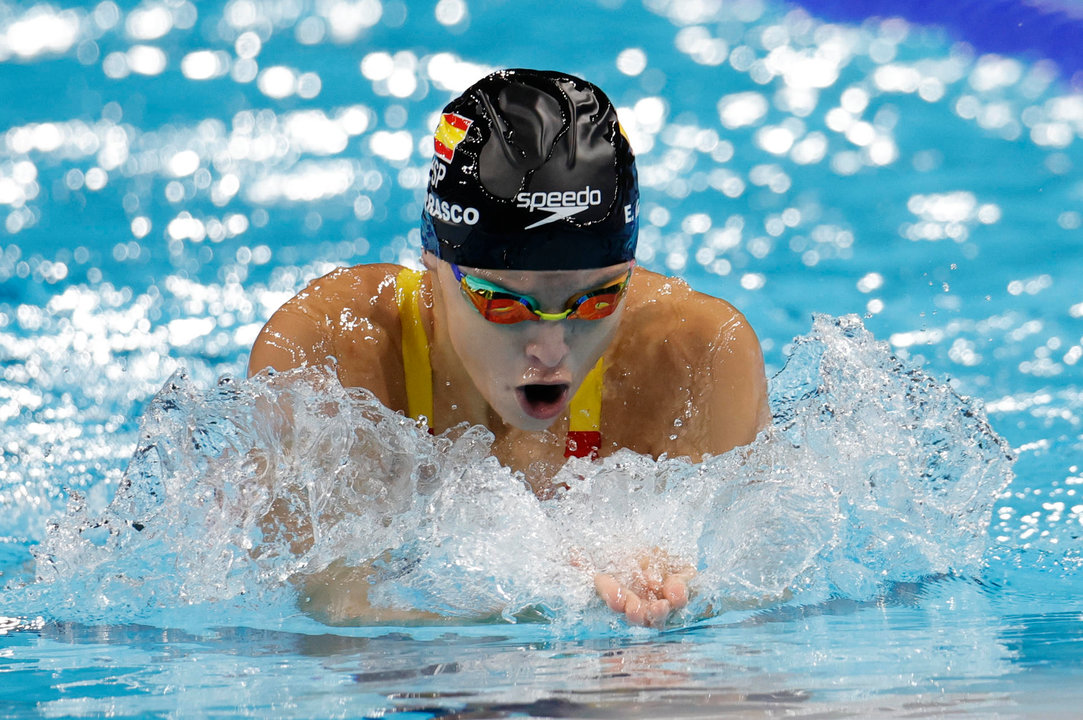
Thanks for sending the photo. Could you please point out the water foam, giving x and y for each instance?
(871, 473)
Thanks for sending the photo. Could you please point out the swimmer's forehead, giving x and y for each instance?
(525, 280)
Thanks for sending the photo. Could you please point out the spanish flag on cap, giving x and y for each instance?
(449, 134)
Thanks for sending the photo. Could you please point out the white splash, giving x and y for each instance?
(872, 473)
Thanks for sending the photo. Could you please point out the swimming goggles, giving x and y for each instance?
(499, 305)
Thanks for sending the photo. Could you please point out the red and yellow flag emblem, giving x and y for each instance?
(449, 134)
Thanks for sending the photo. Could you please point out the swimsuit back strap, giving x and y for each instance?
(585, 416)
(415, 346)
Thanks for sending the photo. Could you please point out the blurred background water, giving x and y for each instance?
(171, 172)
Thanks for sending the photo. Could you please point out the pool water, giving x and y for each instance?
(893, 201)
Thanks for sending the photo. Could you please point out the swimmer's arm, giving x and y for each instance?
(290, 339)
(732, 397)
(349, 320)
(339, 595)
(744, 365)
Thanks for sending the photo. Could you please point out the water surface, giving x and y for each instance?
(904, 539)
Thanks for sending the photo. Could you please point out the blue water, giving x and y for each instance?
(894, 203)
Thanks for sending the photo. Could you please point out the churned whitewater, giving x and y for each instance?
(171, 172)
(872, 474)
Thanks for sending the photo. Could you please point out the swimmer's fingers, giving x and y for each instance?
(647, 613)
(637, 611)
(611, 592)
(652, 582)
(675, 588)
(657, 612)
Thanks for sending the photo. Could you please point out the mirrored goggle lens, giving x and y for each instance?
(598, 304)
(499, 308)
(507, 308)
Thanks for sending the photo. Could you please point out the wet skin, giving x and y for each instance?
(526, 372)
(684, 376)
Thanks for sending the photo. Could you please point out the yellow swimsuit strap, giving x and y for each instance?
(585, 411)
(415, 345)
(585, 416)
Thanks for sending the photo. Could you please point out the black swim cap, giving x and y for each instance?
(531, 172)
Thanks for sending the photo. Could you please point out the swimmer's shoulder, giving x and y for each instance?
(661, 307)
(357, 291)
(688, 356)
(348, 317)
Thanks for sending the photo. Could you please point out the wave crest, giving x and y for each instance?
(871, 473)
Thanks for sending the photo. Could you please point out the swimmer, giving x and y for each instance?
(530, 316)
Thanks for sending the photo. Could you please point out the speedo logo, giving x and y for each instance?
(451, 212)
(559, 204)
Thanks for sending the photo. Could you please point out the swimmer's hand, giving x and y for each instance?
(653, 586)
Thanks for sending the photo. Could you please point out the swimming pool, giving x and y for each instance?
(171, 172)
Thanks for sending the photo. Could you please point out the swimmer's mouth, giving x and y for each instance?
(542, 401)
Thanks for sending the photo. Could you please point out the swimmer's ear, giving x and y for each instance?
(429, 260)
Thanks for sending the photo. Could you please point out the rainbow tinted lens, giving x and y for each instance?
(597, 304)
(499, 305)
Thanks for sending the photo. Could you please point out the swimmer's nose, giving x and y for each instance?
(545, 344)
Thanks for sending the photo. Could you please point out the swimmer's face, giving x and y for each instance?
(527, 371)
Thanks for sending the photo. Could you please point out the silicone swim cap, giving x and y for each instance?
(531, 172)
